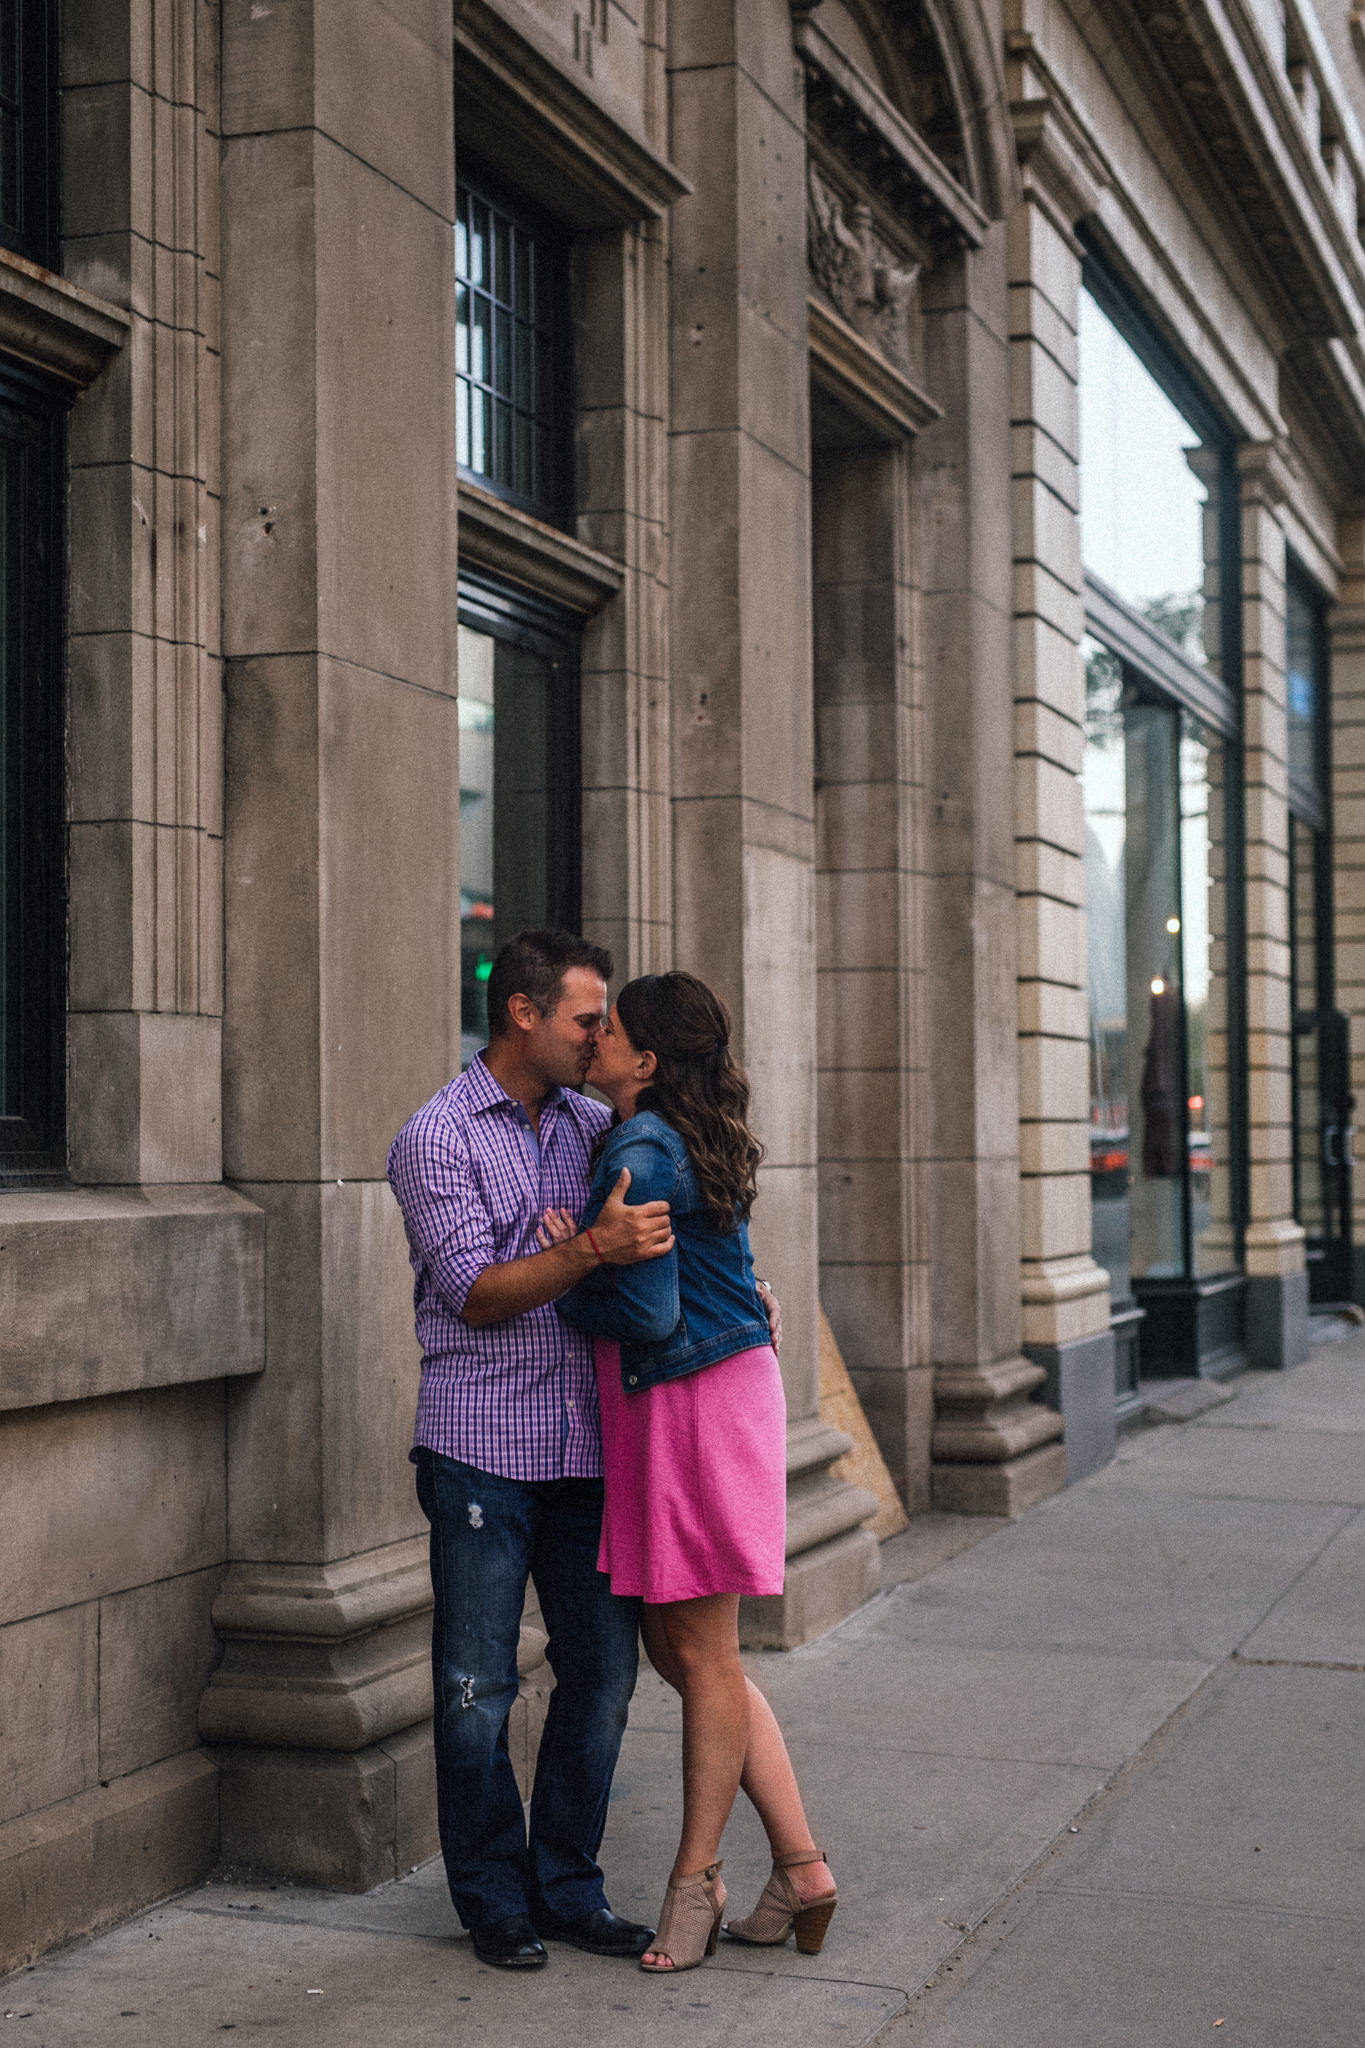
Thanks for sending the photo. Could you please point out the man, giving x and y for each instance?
(507, 1446)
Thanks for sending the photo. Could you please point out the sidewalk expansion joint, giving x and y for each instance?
(1202, 1902)
(1293, 1663)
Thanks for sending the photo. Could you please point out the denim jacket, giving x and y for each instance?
(695, 1305)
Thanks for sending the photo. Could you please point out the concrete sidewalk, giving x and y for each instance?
(1097, 1781)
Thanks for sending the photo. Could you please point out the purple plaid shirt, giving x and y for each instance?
(517, 1398)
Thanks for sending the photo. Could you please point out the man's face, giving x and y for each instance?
(560, 1042)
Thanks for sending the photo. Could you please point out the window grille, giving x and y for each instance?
(511, 369)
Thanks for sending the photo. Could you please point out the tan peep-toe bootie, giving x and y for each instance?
(782, 1908)
(690, 1922)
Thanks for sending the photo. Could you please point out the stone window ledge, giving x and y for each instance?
(109, 1291)
(56, 326)
(497, 536)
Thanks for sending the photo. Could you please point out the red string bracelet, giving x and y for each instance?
(596, 1247)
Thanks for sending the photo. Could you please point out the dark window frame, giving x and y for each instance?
(29, 117)
(32, 734)
(550, 240)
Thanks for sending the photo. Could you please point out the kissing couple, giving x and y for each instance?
(600, 1412)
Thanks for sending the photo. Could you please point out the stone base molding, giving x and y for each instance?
(995, 1449)
(1277, 1307)
(832, 1564)
(319, 1716)
(88, 1861)
(323, 1656)
(1276, 1320)
(344, 1820)
(1081, 1383)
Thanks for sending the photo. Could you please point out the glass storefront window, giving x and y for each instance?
(1148, 485)
(518, 797)
(1152, 784)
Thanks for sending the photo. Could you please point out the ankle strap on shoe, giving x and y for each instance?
(799, 1856)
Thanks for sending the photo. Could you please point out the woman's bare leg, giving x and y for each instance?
(694, 1646)
(770, 1782)
(767, 1776)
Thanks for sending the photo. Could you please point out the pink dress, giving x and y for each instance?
(696, 1479)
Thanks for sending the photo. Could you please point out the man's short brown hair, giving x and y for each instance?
(534, 964)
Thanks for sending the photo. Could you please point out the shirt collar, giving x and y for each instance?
(486, 1092)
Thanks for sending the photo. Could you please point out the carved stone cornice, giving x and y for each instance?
(55, 326)
(1055, 159)
(1268, 472)
(1239, 115)
(862, 127)
(564, 139)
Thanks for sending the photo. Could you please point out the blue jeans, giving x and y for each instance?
(487, 1536)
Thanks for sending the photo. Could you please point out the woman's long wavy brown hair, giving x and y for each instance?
(698, 1087)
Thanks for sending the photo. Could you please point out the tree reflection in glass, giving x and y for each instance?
(1149, 527)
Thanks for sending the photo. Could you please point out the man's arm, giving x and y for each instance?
(623, 1237)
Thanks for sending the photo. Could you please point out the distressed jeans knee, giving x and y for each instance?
(480, 1554)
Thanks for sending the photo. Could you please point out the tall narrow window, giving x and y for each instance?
(31, 964)
(1323, 1104)
(1158, 537)
(513, 406)
(28, 128)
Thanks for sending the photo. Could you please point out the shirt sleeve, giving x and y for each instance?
(446, 1217)
(637, 1302)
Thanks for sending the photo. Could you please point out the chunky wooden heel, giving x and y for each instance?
(782, 1908)
(811, 1924)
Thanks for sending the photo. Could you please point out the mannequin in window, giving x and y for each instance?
(1163, 1125)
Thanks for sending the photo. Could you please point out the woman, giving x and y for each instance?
(694, 1446)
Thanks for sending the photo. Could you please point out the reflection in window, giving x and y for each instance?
(518, 799)
(1148, 524)
(1310, 1207)
(1306, 661)
(1152, 784)
(511, 410)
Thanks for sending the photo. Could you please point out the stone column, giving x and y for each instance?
(1065, 1294)
(869, 813)
(742, 689)
(1346, 627)
(342, 955)
(994, 1445)
(1277, 1277)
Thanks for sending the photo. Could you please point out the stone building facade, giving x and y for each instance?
(863, 499)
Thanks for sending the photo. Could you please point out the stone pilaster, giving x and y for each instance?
(741, 679)
(1065, 1294)
(994, 1450)
(342, 971)
(1277, 1280)
(869, 811)
(145, 764)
